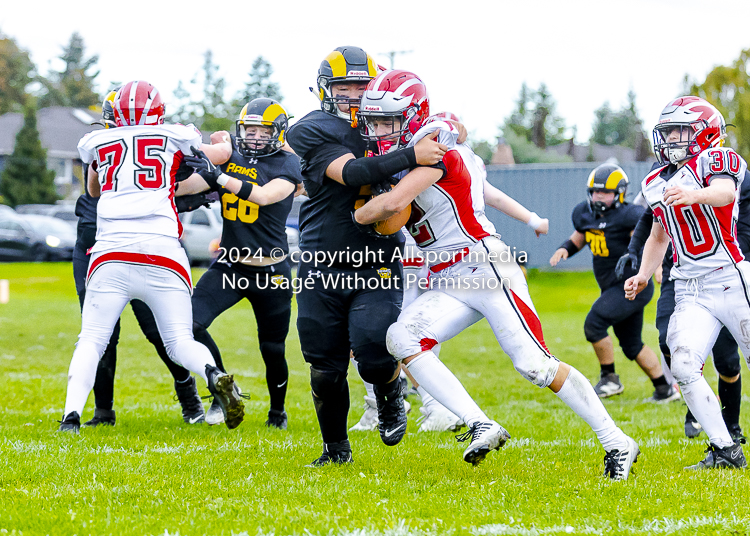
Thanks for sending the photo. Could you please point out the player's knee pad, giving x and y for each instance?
(272, 351)
(327, 384)
(375, 364)
(402, 342)
(595, 327)
(728, 365)
(538, 368)
(686, 366)
(631, 349)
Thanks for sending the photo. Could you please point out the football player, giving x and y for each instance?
(477, 278)
(334, 321)
(137, 253)
(184, 383)
(694, 196)
(605, 222)
(254, 246)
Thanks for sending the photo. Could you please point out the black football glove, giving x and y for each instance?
(188, 203)
(622, 263)
(204, 167)
(366, 229)
(380, 188)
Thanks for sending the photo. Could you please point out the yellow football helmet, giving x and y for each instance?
(610, 178)
(265, 113)
(345, 64)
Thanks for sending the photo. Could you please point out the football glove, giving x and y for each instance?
(623, 262)
(189, 203)
(204, 167)
(366, 229)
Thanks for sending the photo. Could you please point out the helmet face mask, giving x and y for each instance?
(687, 126)
(387, 131)
(346, 67)
(108, 112)
(607, 178)
(261, 128)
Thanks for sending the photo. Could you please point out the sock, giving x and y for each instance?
(193, 356)
(432, 375)
(104, 385)
(579, 395)
(730, 395)
(277, 372)
(204, 337)
(661, 380)
(368, 386)
(427, 399)
(331, 405)
(665, 369)
(703, 404)
(81, 376)
(608, 369)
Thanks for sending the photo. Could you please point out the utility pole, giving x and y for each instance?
(393, 53)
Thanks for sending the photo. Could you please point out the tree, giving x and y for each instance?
(16, 72)
(74, 85)
(26, 178)
(210, 111)
(534, 118)
(623, 127)
(728, 88)
(260, 84)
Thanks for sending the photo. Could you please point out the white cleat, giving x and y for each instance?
(617, 462)
(369, 420)
(214, 415)
(485, 437)
(438, 418)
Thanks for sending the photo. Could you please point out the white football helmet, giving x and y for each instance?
(701, 126)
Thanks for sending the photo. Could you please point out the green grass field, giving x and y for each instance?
(153, 474)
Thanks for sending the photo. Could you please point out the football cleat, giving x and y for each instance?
(337, 453)
(70, 423)
(227, 394)
(369, 419)
(190, 400)
(391, 412)
(277, 419)
(438, 418)
(736, 432)
(214, 415)
(609, 385)
(485, 437)
(617, 462)
(692, 427)
(664, 393)
(730, 457)
(102, 416)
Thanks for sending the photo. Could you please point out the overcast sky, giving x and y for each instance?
(473, 55)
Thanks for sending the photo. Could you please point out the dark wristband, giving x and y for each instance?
(570, 247)
(361, 171)
(210, 179)
(245, 190)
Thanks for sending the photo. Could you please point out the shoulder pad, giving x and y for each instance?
(720, 161)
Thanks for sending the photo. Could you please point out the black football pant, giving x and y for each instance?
(223, 286)
(346, 310)
(725, 353)
(105, 372)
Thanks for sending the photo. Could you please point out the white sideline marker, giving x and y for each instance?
(4, 290)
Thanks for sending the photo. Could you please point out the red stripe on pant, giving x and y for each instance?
(531, 320)
(142, 258)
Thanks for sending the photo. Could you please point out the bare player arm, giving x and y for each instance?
(653, 254)
(501, 201)
(577, 238)
(93, 182)
(386, 205)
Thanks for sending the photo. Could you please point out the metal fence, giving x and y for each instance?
(550, 190)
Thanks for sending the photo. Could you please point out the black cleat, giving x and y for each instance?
(736, 432)
(190, 400)
(391, 412)
(277, 419)
(70, 423)
(337, 453)
(102, 416)
(227, 394)
(692, 427)
(730, 457)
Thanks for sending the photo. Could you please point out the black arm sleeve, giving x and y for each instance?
(641, 232)
(361, 171)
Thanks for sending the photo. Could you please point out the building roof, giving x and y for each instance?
(59, 127)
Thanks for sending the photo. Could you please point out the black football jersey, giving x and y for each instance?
(608, 236)
(326, 219)
(247, 225)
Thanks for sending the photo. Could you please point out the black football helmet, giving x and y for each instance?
(610, 178)
(265, 113)
(345, 64)
(108, 112)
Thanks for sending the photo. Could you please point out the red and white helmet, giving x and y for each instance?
(138, 103)
(443, 116)
(399, 96)
(701, 126)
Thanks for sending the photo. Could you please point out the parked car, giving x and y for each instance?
(30, 237)
(60, 211)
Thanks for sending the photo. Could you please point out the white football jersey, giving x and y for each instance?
(137, 166)
(703, 237)
(449, 215)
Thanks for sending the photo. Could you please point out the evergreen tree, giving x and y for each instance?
(26, 178)
(74, 85)
(534, 118)
(260, 84)
(16, 72)
(210, 111)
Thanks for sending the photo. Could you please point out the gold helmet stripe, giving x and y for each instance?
(338, 64)
(371, 67)
(111, 96)
(271, 113)
(614, 179)
(590, 183)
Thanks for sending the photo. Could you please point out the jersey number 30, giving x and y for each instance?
(150, 168)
